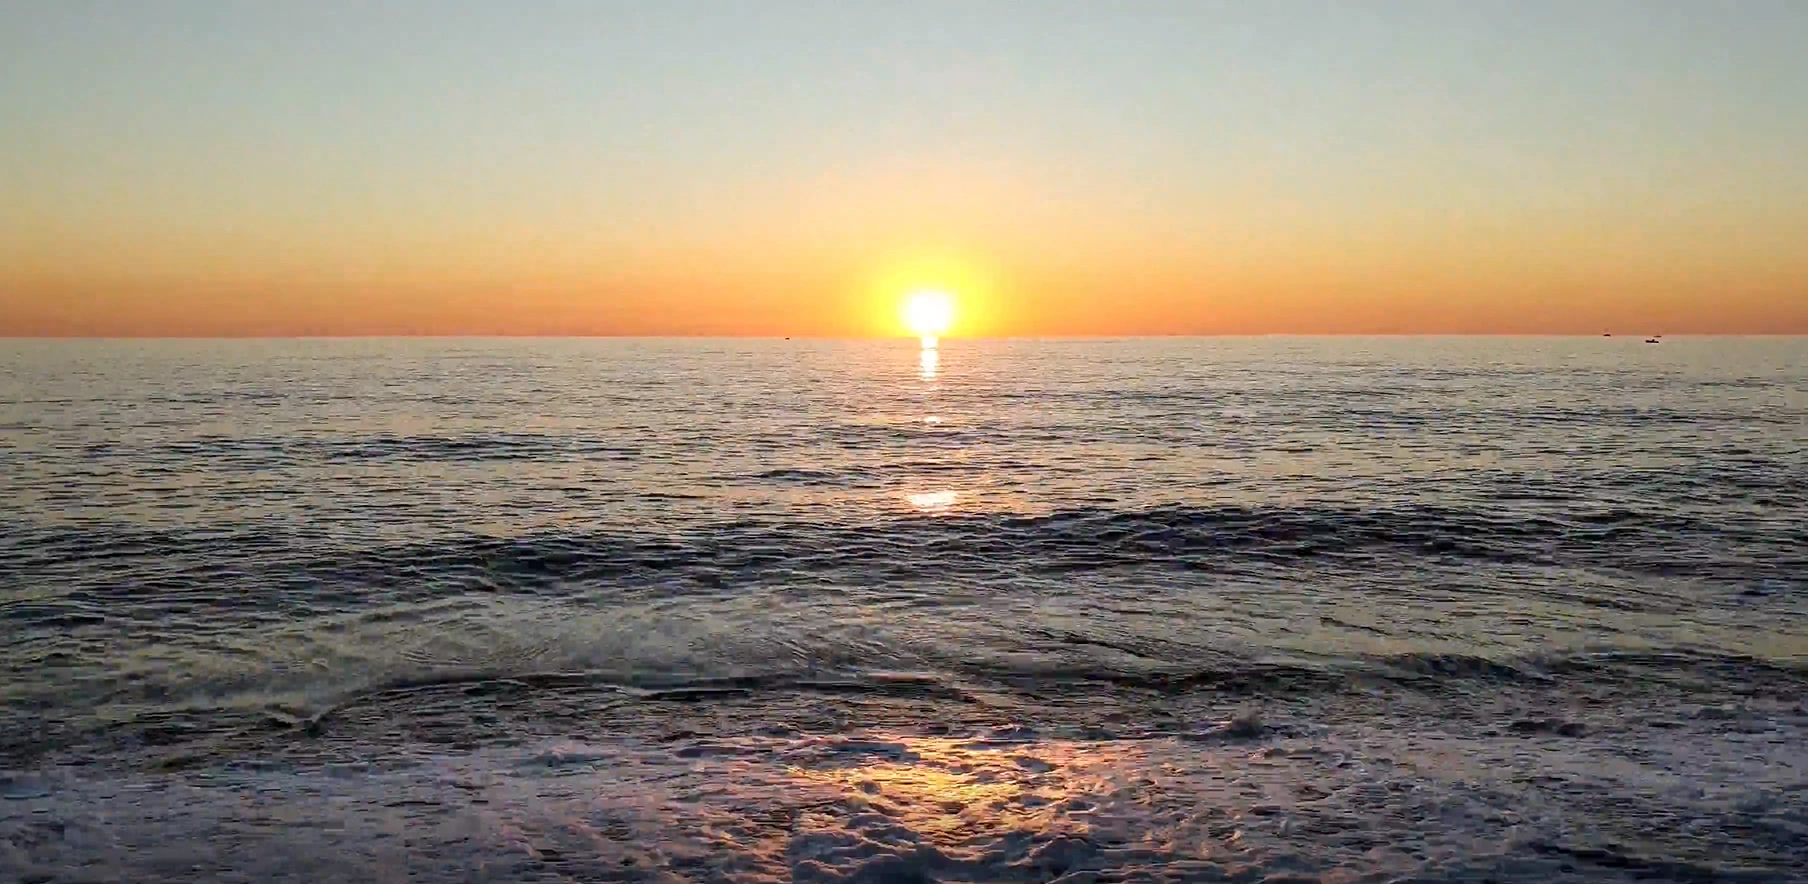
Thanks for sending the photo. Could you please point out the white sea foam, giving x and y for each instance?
(1367, 806)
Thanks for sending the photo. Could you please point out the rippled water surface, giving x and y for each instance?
(1335, 609)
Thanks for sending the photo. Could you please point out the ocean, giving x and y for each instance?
(1246, 609)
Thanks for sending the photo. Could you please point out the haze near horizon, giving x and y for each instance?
(802, 168)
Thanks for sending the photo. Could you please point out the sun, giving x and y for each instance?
(928, 314)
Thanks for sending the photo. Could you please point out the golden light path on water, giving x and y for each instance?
(949, 791)
(929, 361)
(829, 802)
(889, 806)
(933, 501)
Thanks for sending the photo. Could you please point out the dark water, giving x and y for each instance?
(1247, 609)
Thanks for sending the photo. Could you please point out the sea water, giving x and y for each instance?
(1267, 609)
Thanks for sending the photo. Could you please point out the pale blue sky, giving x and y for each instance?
(198, 120)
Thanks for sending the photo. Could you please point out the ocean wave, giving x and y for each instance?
(1125, 702)
(120, 561)
(240, 452)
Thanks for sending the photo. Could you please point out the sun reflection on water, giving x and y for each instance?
(929, 362)
(933, 501)
(946, 790)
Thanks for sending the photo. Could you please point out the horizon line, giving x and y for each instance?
(901, 338)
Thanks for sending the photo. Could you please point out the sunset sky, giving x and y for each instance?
(793, 168)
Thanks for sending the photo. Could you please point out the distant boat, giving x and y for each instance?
(1654, 339)
(1607, 334)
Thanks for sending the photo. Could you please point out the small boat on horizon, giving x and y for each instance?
(1655, 339)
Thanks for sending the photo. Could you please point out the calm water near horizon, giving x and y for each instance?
(1340, 609)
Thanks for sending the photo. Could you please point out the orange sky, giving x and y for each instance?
(1065, 167)
(1341, 281)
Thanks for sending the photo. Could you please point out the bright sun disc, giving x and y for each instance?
(928, 314)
